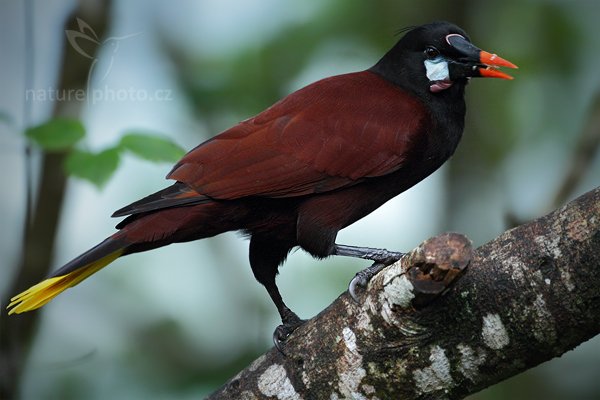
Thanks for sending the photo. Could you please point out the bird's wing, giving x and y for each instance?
(331, 134)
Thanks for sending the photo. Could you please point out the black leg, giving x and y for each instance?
(382, 258)
(265, 257)
(289, 320)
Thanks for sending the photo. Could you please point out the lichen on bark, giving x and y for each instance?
(447, 321)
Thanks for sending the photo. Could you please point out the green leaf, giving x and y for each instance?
(151, 147)
(56, 134)
(94, 167)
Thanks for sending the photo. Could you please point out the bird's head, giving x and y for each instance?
(437, 56)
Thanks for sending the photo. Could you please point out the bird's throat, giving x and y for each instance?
(438, 86)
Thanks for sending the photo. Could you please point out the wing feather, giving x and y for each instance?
(332, 134)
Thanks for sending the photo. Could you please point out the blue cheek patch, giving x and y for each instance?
(437, 69)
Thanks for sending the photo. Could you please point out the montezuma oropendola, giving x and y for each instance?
(311, 164)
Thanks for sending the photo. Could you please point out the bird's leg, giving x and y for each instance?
(265, 256)
(290, 321)
(382, 258)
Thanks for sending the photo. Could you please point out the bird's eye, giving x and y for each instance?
(431, 52)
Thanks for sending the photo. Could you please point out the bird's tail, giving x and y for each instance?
(70, 275)
(139, 232)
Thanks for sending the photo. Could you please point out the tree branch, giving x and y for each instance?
(42, 226)
(526, 297)
(583, 155)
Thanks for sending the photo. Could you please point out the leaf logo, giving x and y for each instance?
(110, 45)
(73, 36)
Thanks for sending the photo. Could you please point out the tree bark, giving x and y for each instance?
(419, 332)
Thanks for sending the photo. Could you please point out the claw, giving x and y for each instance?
(356, 281)
(279, 336)
(283, 331)
(362, 278)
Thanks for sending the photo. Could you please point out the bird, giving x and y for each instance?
(310, 165)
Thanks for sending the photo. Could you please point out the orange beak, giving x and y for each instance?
(477, 62)
(492, 62)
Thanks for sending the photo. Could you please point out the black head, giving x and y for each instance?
(437, 59)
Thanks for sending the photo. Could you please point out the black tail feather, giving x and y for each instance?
(177, 195)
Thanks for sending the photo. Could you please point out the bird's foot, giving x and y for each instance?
(291, 322)
(362, 278)
(382, 258)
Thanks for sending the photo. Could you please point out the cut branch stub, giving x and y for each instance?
(426, 272)
(436, 264)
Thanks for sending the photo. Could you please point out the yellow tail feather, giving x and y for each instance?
(38, 295)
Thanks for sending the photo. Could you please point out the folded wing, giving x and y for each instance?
(332, 134)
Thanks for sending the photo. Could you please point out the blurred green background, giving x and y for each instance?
(176, 323)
